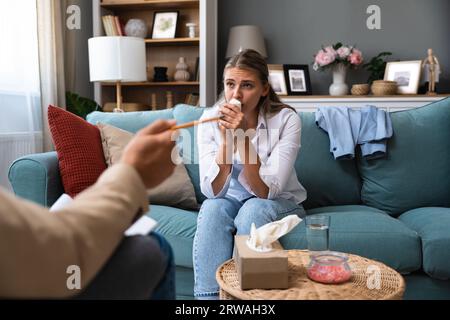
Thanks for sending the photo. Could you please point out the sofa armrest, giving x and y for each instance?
(36, 177)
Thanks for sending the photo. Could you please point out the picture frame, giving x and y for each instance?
(298, 82)
(276, 79)
(406, 74)
(164, 24)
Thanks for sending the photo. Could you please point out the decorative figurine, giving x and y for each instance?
(181, 73)
(433, 71)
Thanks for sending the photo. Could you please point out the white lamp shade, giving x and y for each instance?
(245, 37)
(117, 59)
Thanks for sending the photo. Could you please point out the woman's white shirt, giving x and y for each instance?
(277, 142)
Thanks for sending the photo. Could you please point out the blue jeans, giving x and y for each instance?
(217, 223)
(165, 290)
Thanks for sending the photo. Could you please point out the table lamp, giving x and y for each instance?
(245, 37)
(117, 59)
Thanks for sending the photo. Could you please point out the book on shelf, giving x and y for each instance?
(192, 99)
(112, 26)
(119, 25)
(196, 75)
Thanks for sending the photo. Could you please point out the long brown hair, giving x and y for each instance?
(251, 60)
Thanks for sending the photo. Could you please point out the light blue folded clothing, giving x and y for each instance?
(368, 127)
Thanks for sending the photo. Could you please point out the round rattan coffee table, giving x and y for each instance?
(370, 280)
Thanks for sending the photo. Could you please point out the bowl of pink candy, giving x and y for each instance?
(329, 267)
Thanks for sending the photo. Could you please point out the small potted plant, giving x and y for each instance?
(376, 67)
(80, 106)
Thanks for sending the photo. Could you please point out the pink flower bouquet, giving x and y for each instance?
(337, 54)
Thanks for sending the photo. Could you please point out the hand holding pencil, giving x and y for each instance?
(195, 123)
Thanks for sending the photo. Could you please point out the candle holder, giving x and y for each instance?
(160, 74)
(191, 27)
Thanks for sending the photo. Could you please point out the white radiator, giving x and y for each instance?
(15, 145)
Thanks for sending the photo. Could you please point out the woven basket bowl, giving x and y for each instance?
(384, 88)
(360, 89)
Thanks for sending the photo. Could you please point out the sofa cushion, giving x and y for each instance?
(416, 171)
(344, 208)
(433, 226)
(176, 190)
(327, 181)
(178, 227)
(184, 113)
(367, 232)
(79, 148)
(129, 121)
(134, 121)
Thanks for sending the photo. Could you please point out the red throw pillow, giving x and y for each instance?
(79, 148)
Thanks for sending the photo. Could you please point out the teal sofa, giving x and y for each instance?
(395, 210)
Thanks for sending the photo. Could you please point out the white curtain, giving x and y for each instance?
(20, 105)
(51, 59)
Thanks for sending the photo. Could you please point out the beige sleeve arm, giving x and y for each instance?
(37, 246)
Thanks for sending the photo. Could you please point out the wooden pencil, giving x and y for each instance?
(194, 123)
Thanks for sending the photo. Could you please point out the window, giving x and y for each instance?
(20, 107)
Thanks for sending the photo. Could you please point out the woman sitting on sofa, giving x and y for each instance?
(246, 166)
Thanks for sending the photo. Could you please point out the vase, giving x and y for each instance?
(160, 74)
(136, 28)
(339, 87)
(191, 27)
(181, 73)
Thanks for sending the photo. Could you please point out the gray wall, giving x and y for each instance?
(295, 29)
(76, 58)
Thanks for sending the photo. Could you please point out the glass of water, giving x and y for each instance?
(317, 233)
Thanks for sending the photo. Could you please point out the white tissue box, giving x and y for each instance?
(260, 270)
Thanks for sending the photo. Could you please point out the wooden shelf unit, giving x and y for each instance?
(388, 103)
(176, 41)
(160, 52)
(397, 96)
(152, 4)
(154, 84)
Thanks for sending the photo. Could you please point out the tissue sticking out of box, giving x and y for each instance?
(236, 102)
(261, 239)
